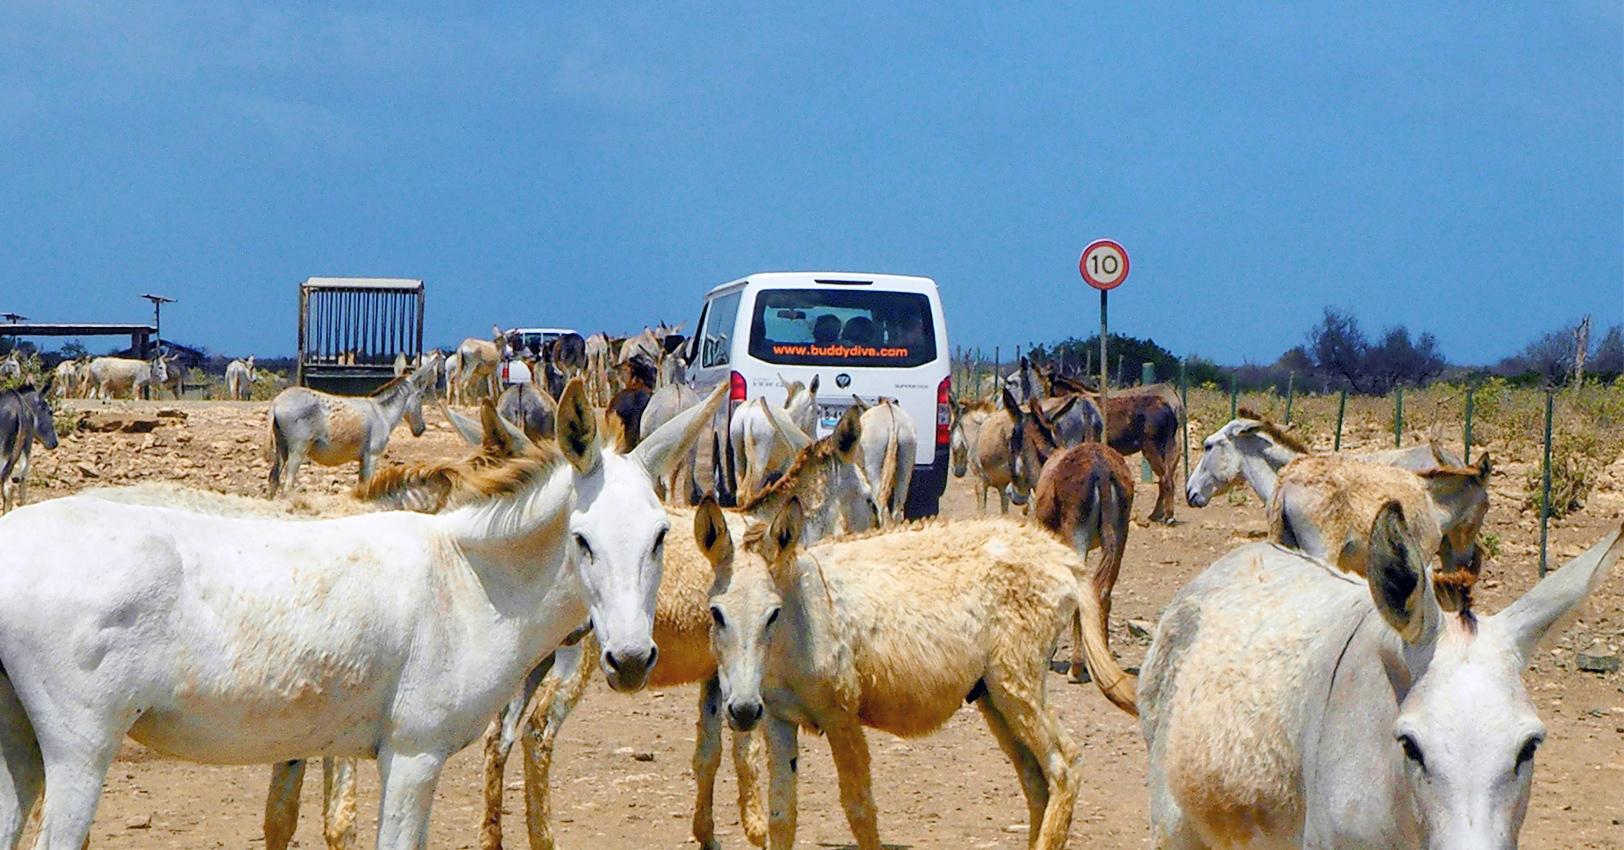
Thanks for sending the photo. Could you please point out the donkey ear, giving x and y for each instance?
(785, 532)
(502, 434)
(1484, 468)
(1011, 405)
(578, 429)
(1530, 618)
(658, 452)
(786, 429)
(710, 532)
(858, 403)
(813, 387)
(1397, 574)
(469, 429)
(848, 435)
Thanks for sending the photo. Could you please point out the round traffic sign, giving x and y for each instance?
(1104, 264)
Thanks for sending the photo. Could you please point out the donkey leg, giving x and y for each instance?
(282, 803)
(408, 793)
(556, 699)
(752, 809)
(850, 749)
(707, 758)
(782, 746)
(1027, 769)
(1018, 697)
(22, 769)
(75, 769)
(338, 803)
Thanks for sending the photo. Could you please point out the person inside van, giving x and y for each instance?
(859, 330)
(826, 329)
(912, 331)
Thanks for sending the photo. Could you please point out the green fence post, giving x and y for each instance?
(1184, 399)
(1545, 483)
(1466, 444)
(1341, 408)
(1291, 393)
(1147, 376)
(1398, 416)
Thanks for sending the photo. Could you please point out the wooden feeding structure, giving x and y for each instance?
(352, 328)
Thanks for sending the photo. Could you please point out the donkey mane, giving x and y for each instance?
(789, 481)
(1275, 431)
(389, 386)
(480, 476)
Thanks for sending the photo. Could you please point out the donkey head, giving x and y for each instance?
(617, 527)
(35, 404)
(1466, 730)
(746, 600)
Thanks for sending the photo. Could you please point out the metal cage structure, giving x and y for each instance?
(352, 328)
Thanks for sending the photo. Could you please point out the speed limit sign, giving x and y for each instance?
(1104, 264)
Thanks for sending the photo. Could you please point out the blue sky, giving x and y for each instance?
(1455, 167)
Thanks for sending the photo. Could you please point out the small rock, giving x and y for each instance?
(171, 413)
(139, 822)
(1140, 629)
(1598, 659)
(643, 755)
(87, 470)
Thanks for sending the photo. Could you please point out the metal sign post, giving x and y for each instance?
(1104, 265)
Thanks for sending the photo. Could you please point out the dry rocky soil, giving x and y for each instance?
(952, 789)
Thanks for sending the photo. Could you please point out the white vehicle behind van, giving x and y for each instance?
(868, 335)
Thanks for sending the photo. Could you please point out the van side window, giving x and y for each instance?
(716, 342)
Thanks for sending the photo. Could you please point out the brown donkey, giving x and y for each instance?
(1140, 419)
(1084, 495)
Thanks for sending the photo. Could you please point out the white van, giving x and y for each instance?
(868, 335)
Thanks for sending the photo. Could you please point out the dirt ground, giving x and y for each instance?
(951, 789)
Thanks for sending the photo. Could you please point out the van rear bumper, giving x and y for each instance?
(926, 487)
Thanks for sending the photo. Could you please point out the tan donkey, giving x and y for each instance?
(1323, 505)
(894, 630)
(825, 477)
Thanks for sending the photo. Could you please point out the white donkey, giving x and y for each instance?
(1289, 704)
(890, 440)
(240, 379)
(111, 377)
(394, 636)
(334, 430)
(759, 451)
(1254, 450)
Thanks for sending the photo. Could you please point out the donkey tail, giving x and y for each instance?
(1110, 512)
(888, 466)
(1117, 685)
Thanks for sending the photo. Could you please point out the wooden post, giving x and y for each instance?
(1398, 416)
(1147, 375)
(1466, 442)
(1291, 393)
(1234, 394)
(1545, 483)
(1341, 408)
(298, 365)
(1184, 399)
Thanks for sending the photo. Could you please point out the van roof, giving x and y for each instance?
(787, 280)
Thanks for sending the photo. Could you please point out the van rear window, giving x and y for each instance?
(828, 327)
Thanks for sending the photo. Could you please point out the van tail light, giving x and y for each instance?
(736, 391)
(944, 411)
(505, 373)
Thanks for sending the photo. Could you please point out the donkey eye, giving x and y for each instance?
(1525, 756)
(1412, 751)
(772, 617)
(659, 539)
(581, 542)
(717, 618)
